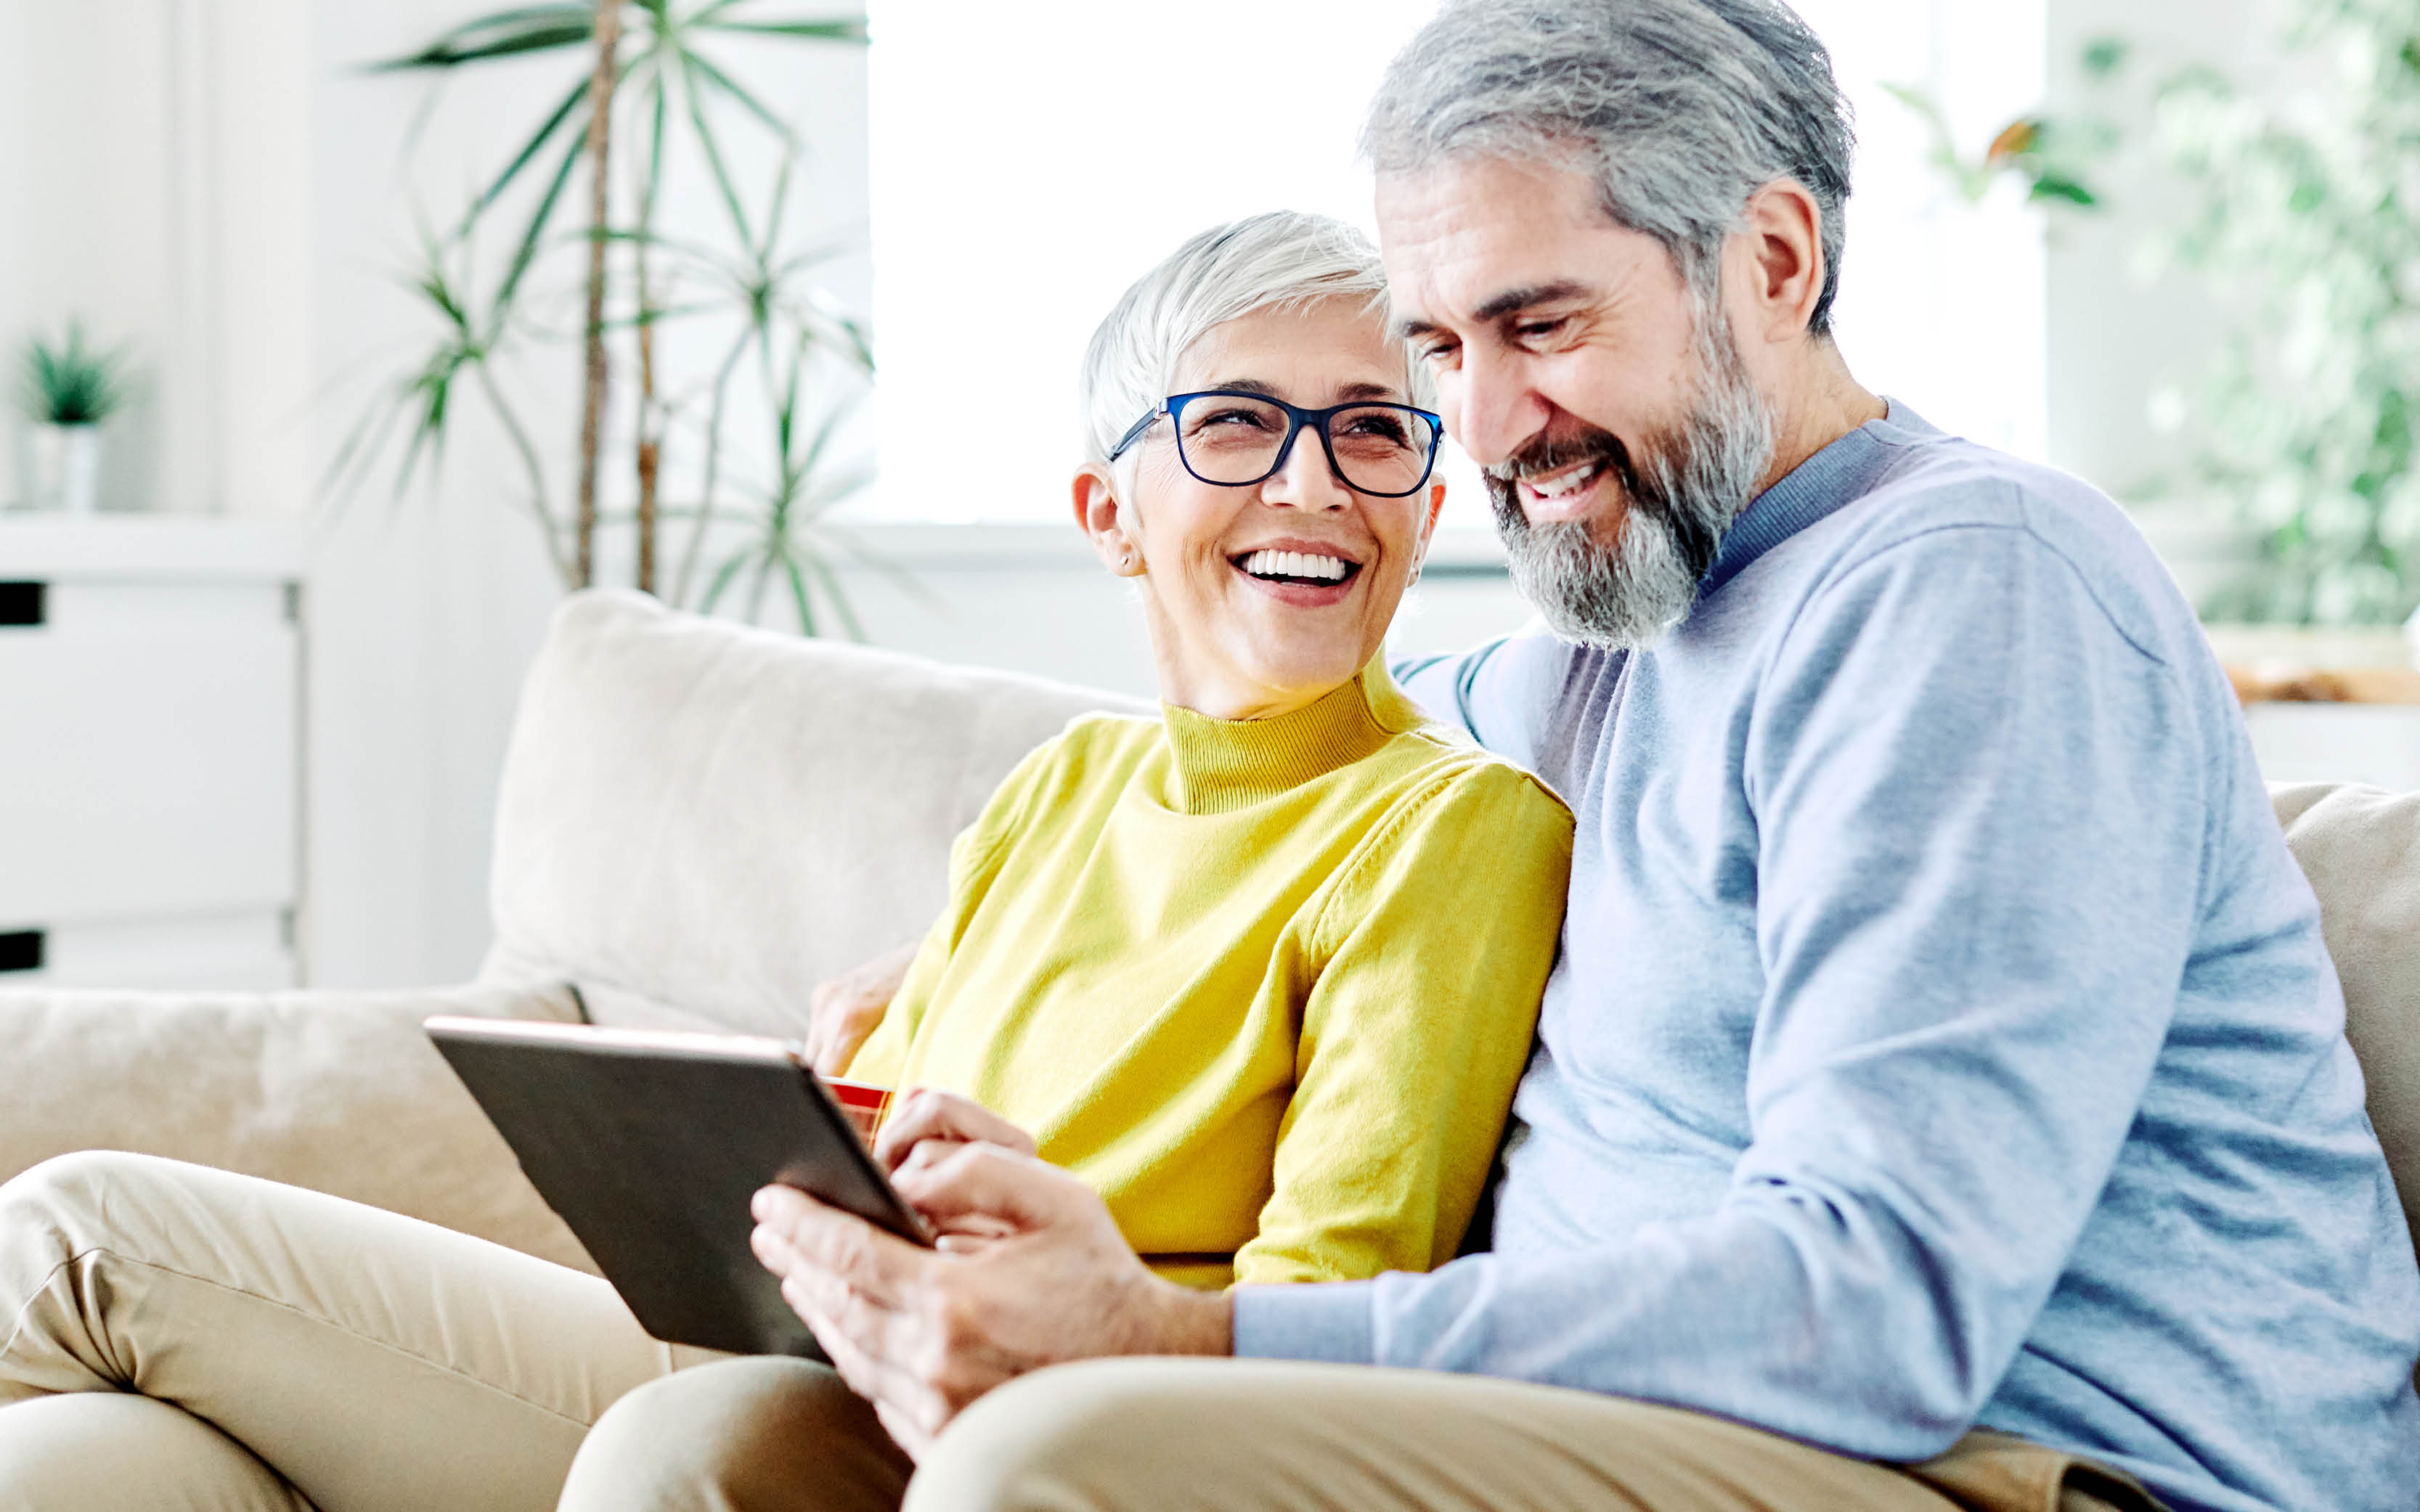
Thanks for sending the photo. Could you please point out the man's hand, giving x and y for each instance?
(1035, 1272)
(842, 1012)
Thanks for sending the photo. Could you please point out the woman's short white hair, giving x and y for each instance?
(1285, 258)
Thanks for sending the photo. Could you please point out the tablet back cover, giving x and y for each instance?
(651, 1158)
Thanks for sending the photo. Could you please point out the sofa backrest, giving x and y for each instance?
(2360, 848)
(699, 822)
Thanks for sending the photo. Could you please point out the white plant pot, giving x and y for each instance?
(66, 467)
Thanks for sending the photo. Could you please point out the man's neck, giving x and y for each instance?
(1821, 404)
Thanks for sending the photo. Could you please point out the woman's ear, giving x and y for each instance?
(1098, 515)
(1436, 507)
(1435, 504)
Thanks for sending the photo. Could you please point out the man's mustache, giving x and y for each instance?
(1550, 454)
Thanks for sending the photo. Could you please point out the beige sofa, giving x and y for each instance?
(697, 824)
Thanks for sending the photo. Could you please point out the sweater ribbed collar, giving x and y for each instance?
(1842, 472)
(1222, 765)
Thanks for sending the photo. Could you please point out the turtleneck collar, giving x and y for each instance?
(1222, 765)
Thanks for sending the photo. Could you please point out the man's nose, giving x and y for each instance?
(1305, 481)
(1492, 411)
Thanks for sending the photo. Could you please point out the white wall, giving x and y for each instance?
(150, 195)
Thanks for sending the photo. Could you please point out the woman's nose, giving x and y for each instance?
(1305, 481)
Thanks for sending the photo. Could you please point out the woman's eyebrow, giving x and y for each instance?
(1345, 394)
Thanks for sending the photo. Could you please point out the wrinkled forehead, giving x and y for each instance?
(1469, 239)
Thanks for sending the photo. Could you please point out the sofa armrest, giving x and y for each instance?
(337, 1091)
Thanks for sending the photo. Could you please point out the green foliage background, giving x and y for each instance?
(2308, 226)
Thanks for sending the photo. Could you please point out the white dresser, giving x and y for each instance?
(150, 783)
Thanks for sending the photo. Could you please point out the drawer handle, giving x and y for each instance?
(22, 951)
(24, 604)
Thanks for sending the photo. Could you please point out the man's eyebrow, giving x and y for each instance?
(1510, 301)
(1514, 300)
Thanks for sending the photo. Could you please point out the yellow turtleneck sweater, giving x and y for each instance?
(1266, 984)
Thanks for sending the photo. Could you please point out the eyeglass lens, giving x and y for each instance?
(1379, 449)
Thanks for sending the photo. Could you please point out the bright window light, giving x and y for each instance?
(1029, 162)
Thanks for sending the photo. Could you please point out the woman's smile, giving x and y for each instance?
(1303, 573)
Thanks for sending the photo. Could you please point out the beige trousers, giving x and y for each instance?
(173, 1336)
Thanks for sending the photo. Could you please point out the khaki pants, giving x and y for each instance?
(172, 1336)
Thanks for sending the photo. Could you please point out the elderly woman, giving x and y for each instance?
(1263, 971)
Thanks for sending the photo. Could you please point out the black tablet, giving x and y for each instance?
(650, 1145)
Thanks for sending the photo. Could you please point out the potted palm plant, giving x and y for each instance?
(651, 91)
(68, 390)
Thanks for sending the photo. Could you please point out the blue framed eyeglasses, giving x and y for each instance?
(1233, 438)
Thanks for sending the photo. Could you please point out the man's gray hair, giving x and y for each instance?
(1282, 259)
(1681, 109)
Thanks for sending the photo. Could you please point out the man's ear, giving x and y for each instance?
(1781, 235)
(1098, 515)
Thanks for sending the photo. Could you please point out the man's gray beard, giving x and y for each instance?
(1683, 495)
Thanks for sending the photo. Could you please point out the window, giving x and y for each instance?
(1021, 177)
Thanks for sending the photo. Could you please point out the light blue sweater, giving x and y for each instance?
(1943, 1034)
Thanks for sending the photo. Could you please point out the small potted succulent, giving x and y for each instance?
(68, 391)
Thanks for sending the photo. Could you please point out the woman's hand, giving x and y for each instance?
(842, 1012)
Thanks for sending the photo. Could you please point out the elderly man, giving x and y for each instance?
(1942, 1098)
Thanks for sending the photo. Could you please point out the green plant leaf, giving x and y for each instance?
(852, 30)
(712, 149)
(2055, 186)
(734, 90)
(500, 34)
(72, 385)
(529, 149)
(798, 594)
(2104, 56)
(525, 248)
(722, 578)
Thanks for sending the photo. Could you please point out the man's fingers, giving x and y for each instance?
(904, 1430)
(981, 1185)
(866, 1362)
(811, 1236)
(925, 1114)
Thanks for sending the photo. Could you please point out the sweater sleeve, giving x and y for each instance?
(1500, 693)
(1980, 814)
(1439, 940)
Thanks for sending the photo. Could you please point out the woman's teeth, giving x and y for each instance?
(1563, 483)
(1296, 565)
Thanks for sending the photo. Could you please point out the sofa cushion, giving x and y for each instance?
(340, 1092)
(2360, 848)
(712, 819)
